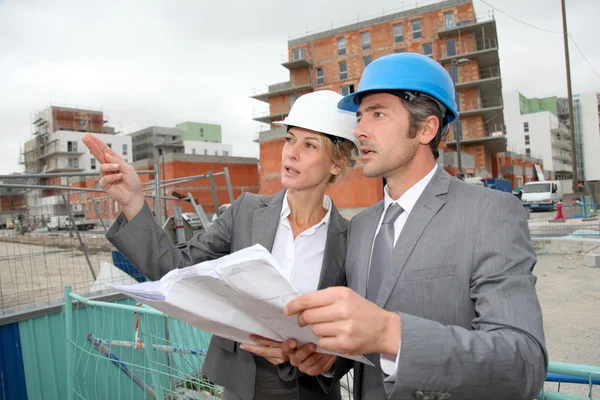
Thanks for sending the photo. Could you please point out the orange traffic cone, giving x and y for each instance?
(559, 212)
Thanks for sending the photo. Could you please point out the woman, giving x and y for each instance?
(299, 225)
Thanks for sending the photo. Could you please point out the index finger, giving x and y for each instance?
(98, 148)
(320, 298)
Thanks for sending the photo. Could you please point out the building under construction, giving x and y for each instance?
(450, 32)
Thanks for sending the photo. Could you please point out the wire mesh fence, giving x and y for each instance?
(573, 220)
(130, 351)
(126, 351)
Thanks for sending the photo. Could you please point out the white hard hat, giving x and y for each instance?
(318, 111)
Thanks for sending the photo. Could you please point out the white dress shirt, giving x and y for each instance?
(407, 201)
(301, 259)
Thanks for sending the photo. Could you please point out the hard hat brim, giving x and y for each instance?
(350, 103)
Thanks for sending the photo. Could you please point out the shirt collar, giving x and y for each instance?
(408, 200)
(285, 210)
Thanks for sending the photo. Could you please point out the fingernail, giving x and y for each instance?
(286, 311)
(243, 347)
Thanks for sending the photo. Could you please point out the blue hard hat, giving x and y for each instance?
(410, 72)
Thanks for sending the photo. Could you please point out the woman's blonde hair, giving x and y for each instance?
(341, 154)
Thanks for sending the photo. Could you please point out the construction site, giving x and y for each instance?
(66, 334)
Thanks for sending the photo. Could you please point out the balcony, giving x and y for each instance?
(263, 93)
(53, 149)
(296, 61)
(562, 167)
(490, 109)
(561, 141)
(267, 116)
(487, 79)
(65, 166)
(481, 22)
(560, 128)
(562, 155)
(484, 50)
(493, 137)
(271, 134)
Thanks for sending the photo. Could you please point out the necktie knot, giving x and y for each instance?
(392, 213)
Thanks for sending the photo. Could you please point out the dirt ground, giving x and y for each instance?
(569, 292)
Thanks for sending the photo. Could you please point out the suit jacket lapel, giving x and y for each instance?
(335, 252)
(371, 217)
(265, 218)
(421, 215)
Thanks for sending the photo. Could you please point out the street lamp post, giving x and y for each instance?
(455, 64)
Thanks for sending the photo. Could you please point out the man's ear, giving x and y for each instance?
(429, 129)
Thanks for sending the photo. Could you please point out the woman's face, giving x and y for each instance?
(306, 161)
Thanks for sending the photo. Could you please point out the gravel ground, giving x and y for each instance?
(569, 294)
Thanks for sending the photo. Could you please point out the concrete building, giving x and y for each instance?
(56, 147)
(186, 138)
(537, 128)
(586, 110)
(449, 32)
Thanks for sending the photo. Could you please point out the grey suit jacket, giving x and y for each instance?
(252, 219)
(461, 278)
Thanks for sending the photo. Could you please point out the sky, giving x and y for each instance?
(152, 62)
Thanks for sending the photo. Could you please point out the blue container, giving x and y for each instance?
(121, 262)
(502, 185)
(12, 373)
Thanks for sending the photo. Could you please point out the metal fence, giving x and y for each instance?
(38, 259)
(136, 352)
(574, 220)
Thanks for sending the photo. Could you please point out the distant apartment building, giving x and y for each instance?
(194, 138)
(586, 110)
(539, 128)
(450, 32)
(56, 147)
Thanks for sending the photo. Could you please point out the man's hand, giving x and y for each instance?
(348, 323)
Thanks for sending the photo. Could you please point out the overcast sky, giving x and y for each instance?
(162, 62)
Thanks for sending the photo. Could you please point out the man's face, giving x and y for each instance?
(382, 131)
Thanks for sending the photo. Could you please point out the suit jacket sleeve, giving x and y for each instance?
(505, 352)
(147, 246)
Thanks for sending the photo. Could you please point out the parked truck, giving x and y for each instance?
(62, 222)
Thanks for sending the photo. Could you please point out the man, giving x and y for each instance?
(446, 267)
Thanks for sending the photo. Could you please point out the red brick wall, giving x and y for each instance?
(244, 178)
(70, 120)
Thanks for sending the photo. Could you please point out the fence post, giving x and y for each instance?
(83, 246)
(157, 208)
(69, 342)
(214, 192)
(229, 188)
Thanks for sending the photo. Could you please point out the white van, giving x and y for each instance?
(542, 195)
(58, 223)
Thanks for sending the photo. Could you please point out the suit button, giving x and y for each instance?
(419, 395)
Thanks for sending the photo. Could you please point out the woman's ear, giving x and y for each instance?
(335, 169)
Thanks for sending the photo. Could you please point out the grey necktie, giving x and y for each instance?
(382, 250)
